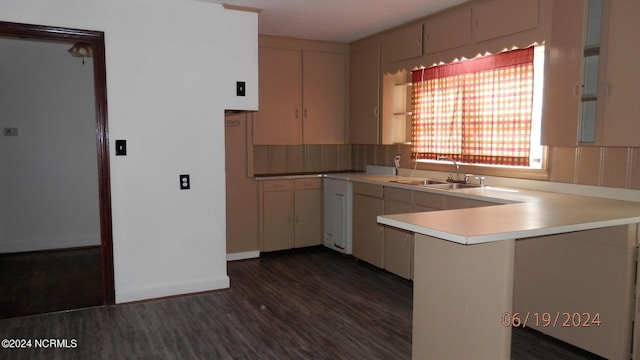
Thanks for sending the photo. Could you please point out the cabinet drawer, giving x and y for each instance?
(401, 195)
(367, 189)
(312, 183)
(430, 200)
(277, 185)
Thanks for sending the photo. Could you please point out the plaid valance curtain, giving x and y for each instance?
(474, 111)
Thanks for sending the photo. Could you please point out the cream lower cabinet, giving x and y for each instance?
(398, 244)
(368, 235)
(290, 213)
(308, 199)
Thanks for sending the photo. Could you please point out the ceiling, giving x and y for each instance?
(337, 20)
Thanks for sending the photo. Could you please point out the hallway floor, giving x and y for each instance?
(48, 281)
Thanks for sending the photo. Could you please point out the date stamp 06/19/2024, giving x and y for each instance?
(551, 319)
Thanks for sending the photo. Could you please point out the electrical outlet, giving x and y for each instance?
(240, 88)
(185, 182)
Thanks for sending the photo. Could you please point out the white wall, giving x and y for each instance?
(163, 58)
(49, 177)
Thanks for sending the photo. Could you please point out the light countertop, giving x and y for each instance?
(524, 213)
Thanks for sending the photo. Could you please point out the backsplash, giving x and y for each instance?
(617, 167)
(290, 159)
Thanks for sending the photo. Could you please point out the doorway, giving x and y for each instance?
(103, 252)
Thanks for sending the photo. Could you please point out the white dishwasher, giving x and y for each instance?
(338, 208)
(337, 214)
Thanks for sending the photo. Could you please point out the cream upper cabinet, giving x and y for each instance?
(563, 63)
(621, 106)
(364, 94)
(324, 94)
(402, 43)
(279, 121)
(448, 30)
(302, 92)
(496, 18)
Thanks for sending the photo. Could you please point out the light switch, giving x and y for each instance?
(121, 147)
(240, 88)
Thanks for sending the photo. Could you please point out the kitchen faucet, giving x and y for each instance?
(457, 180)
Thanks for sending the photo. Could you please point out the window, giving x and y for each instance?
(480, 111)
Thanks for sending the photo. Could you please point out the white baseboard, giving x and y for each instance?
(214, 283)
(243, 255)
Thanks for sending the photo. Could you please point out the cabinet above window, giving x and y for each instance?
(403, 43)
(493, 19)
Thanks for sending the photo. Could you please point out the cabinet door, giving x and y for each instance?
(278, 122)
(398, 244)
(403, 43)
(278, 220)
(324, 84)
(563, 62)
(364, 95)
(496, 18)
(448, 30)
(367, 234)
(621, 107)
(308, 219)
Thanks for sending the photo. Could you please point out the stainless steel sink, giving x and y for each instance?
(423, 182)
(452, 186)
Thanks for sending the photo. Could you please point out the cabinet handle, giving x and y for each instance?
(380, 232)
(375, 111)
(277, 186)
(418, 40)
(607, 89)
(305, 113)
(576, 90)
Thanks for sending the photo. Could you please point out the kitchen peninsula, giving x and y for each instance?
(478, 271)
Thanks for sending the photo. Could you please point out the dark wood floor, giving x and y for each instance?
(42, 282)
(306, 304)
